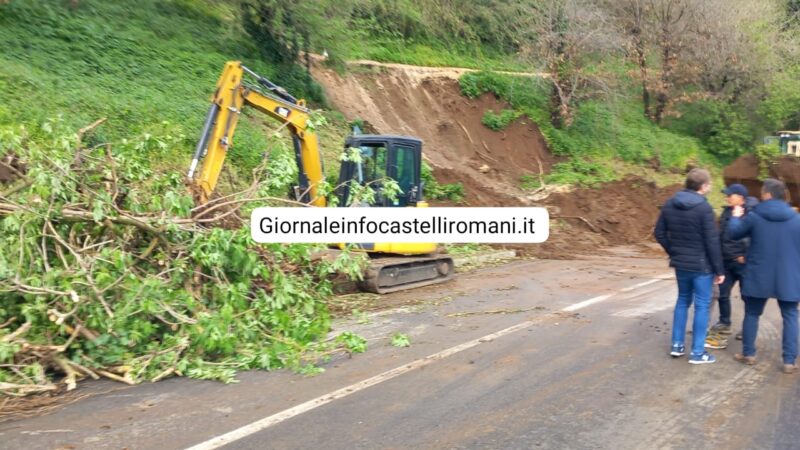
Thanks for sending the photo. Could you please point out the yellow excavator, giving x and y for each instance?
(393, 266)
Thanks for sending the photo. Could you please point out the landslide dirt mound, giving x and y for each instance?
(428, 104)
(745, 171)
(618, 213)
(460, 148)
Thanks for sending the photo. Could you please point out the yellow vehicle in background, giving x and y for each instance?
(393, 266)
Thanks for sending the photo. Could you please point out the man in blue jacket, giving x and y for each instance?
(772, 262)
(687, 232)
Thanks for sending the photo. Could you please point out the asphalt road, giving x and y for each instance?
(533, 354)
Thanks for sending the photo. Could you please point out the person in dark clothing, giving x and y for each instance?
(771, 271)
(749, 204)
(687, 232)
(733, 258)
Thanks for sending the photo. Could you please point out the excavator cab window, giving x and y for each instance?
(404, 169)
(372, 168)
(382, 157)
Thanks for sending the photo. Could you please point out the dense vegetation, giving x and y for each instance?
(85, 290)
(723, 75)
(722, 71)
(109, 269)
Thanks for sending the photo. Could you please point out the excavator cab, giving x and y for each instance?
(383, 157)
(789, 142)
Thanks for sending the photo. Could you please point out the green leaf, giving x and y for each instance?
(400, 340)
(97, 211)
(352, 342)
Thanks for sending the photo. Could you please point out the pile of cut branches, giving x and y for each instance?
(108, 269)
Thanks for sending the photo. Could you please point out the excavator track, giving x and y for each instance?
(392, 274)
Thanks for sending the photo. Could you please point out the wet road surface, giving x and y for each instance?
(533, 354)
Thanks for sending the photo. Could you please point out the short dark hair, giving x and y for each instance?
(776, 188)
(696, 178)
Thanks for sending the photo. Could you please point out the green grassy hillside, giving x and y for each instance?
(139, 66)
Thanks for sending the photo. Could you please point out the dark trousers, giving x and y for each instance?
(753, 308)
(733, 272)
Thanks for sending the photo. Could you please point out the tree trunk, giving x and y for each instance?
(641, 60)
(667, 64)
(559, 109)
(555, 107)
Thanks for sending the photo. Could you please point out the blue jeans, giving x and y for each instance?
(733, 272)
(692, 286)
(753, 308)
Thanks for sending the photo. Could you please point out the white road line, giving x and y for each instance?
(642, 284)
(585, 303)
(600, 298)
(274, 419)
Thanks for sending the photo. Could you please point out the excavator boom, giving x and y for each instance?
(230, 96)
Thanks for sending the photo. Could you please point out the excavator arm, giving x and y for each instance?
(231, 95)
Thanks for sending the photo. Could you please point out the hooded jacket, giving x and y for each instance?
(687, 232)
(733, 248)
(773, 258)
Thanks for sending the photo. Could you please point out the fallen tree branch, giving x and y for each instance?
(12, 169)
(17, 333)
(94, 241)
(24, 185)
(84, 369)
(465, 132)
(72, 376)
(163, 375)
(87, 129)
(485, 156)
(42, 291)
(582, 219)
(238, 201)
(8, 322)
(21, 390)
(85, 332)
(115, 377)
(542, 184)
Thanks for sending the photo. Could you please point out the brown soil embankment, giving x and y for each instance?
(489, 164)
(745, 170)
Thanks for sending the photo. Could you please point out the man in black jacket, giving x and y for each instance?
(688, 233)
(733, 258)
